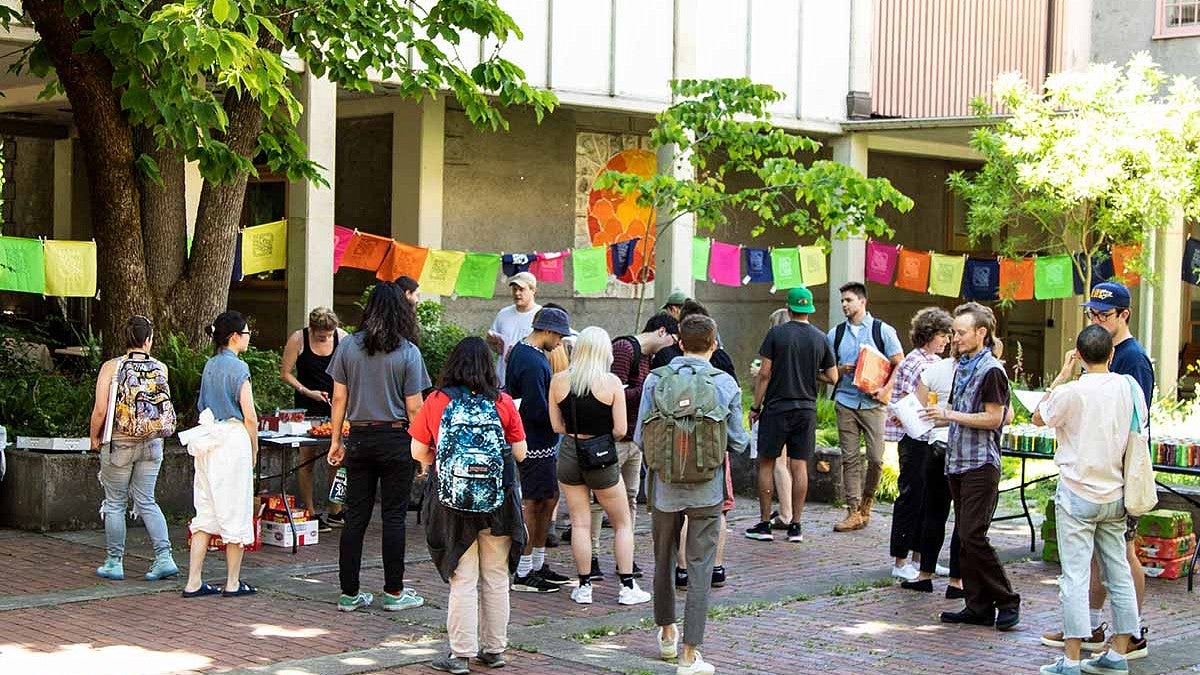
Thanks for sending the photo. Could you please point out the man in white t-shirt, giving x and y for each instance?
(515, 322)
(1091, 418)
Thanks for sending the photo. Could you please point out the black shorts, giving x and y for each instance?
(797, 429)
(539, 478)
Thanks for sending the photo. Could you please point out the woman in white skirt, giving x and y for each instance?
(223, 489)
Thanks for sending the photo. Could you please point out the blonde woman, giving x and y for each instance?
(587, 402)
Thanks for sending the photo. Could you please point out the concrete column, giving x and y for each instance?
(310, 207)
(1077, 34)
(862, 26)
(1067, 318)
(63, 188)
(1168, 303)
(849, 255)
(673, 246)
(418, 161)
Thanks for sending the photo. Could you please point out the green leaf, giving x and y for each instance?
(220, 10)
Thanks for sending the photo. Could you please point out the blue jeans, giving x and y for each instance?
(1082, 525)
(130, 468)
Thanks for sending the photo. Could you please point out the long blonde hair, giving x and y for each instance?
(591, 358)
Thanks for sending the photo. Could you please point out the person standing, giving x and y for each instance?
(674, 304)
(514, 322)
(140, 416)
(378, 376)
(528, 380)
(979, 399)
(795, 358)
(411, 289)
(860, 415)
(308, 352)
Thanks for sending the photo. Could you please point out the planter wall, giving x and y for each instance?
(824, 476)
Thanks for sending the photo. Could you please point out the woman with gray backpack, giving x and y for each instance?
(132, 414)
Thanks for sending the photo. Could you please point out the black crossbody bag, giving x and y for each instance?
(598, 452)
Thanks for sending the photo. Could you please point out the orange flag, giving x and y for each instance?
(1016, 279)
(402, 260)
(1121, 255)
(366, 251)
(912, 271)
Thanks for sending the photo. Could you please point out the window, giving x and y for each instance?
(1177, 18)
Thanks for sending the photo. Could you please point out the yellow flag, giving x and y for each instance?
(71, 268)
(440, 273)
(264, 247)
(812, 266)
(946, 274)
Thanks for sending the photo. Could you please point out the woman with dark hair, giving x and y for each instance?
(467, 423)
(131, 415)
(378, 376)
(223, 489)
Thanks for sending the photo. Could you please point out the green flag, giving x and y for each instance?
(590, 267)
(945, 274)
(1053, 277)
(700, 258)
(785, 267)
(477, 277)
(22, 265)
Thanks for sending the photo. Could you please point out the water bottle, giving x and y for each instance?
(337, 490)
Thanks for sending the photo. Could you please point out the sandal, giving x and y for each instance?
(243, 589)
(204, 590)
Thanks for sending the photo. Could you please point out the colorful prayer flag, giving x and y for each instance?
(946, 274)
(71, 268)
(402, 260)
(812, 266)
(1121, 255)
(621, 256)
(514, 263)
(1191, 262)
(22, 265)
(785, 267)
(440, 273)
(725, 264)
(700, 246)
(912, 271)
(881, 262)
(342, 236)
(758, 265)
(590, 267)
(981, 279)
(477, 278)
(264, 247)
(1102, 270)
(549, 267)
(1053, 277)
(366, 251)
(236, 274)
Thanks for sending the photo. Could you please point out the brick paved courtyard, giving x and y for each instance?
(822, 606)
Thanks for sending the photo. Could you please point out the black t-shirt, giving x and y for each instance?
(994, 388)
(798, 351)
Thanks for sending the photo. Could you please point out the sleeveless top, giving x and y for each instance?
(595, 418)
(310, 370)
(221, 384)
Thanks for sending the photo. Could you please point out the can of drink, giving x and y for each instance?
(933, 398)
(337, 490)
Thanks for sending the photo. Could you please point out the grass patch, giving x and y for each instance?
(521, 646)
(539, 622)
(840, 590)
(590, 635)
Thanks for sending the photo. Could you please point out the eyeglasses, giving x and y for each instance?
(1099, 316)
(244, 332)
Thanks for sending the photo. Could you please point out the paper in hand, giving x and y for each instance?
(1029, 399)
(908, 411)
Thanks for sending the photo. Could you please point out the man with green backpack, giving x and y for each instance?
(690, 412)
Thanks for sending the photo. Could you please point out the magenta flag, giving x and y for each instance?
(548, 267)
(725, 264)
(881, 262)
(341, 240)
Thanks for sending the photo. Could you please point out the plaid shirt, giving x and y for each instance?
(972, 448)
(908, 376)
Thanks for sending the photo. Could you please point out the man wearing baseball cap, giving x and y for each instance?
(795, 357)
(674, 303)
(515, 321)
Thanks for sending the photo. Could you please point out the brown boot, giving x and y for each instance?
(853, 521)
(864, 509)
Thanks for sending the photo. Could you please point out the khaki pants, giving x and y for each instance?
(629, 457)
(478, 607)
(853, 424)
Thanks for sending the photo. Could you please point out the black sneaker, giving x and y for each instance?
(718, 577)
(336, 519)
(1008, 618)
(681, 577)
(777, 523)
(552, 576)
(596, 574)
(322, 524)
(794, 533)
(761, 532)
(968, 617)
(533, 583)
(637, 571)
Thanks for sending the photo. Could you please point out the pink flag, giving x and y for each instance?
(548, 267)
(341, 240)
(725, 264)
(881, 262)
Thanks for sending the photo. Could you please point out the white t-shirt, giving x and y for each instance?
(513, 326)
(1091, 419)
(939, 378)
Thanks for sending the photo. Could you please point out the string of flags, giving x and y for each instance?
(65, 269)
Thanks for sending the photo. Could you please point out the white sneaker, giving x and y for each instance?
(632, 595)
(668, 650)
(582, 594)
(906, 573)
(698, 667)
(941, 571)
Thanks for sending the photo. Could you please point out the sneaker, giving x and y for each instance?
(794, 533)
(596, 574)
(632, 595)
(778, 523)
(1059, 667)
(668, 650)
(853, 521)
(1094, 643)
(697, 667)
(491, 660)
(335, 519)
(349, 603)
(164, 567)
(552, 576)
(1138, 647)
(1105, 663)
(906, 572)
(681, 577)
(451, 664)
(941, 571)
(407, 599)
(323, 524)
(968, 617)
(551, 540)
(1008, 618)
(582, 594)
(718, 577)
(113, 568)
(761, 532)
(533, 583)
(637, 571)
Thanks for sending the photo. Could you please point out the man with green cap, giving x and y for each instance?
(674, 303)
(795, 357)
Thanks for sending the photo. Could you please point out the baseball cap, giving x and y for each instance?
(523, 279)
(800, 300)
(677, 297)
(553, 320)
(1108, 296)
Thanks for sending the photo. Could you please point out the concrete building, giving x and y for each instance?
(884, 84)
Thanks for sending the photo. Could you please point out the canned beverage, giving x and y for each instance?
(337, 490)
(933, 398)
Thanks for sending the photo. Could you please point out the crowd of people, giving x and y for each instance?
(536, 413)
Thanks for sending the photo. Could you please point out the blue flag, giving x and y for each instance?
(1102, 270)
(981, 279)
(237, 259)
(1191, 262)
(758, 265)
(516, 262)
(622, 256)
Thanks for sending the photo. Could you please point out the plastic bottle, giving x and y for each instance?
(337, 490)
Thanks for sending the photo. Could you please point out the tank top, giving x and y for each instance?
(310, 370)
(595, 418)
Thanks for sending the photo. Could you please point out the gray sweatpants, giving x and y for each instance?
(703, 528)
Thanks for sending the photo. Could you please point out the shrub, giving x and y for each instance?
(438, 337)
(39, 402)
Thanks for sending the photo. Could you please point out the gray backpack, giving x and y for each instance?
(684, 435)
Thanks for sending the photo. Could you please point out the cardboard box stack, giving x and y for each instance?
(1166, 543)
(1049, 535)
(274, 528)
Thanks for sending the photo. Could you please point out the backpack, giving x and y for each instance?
(470, 454)
(684, 434)
(634, 363)
(876, 337)
(142, 403)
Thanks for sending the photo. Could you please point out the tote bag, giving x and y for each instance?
(1141, 494)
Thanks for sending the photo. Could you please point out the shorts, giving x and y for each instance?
(1131, 525)
(539, 479)
(569, 472)
(796, 428)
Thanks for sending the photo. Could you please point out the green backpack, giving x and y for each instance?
(684, 434)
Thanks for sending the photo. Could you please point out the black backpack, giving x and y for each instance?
(876, 337)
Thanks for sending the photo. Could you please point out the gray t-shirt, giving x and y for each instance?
(378, 383)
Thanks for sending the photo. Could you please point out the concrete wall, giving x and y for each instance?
(1120, 28)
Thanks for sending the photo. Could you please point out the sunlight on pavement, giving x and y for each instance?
(358, 661)
(268, 630)
(83, 658)
(871, 628)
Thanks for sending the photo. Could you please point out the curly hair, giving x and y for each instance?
(387, 319)
(928, 324)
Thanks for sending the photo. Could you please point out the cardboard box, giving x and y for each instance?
(1166, 549)
(1165, 523)
(215, 543)
(280, 534)
(272, 502)
(1166, 569)
(280, 516)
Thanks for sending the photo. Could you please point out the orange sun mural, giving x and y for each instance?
(613, 218)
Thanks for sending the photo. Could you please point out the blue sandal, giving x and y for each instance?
(204, 590)
(243, 589)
